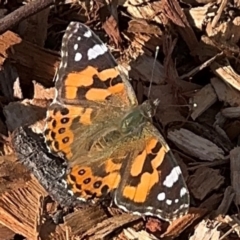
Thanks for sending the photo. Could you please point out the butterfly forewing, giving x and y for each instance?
(88, 84)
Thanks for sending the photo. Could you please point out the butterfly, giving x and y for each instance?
(108, 140)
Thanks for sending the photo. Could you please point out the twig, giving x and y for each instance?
(219, 13)
(202, 66)
(23, 12)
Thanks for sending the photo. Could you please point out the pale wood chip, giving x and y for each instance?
(40, 92)
(132, 234)
(108, 226)
(147, 11)
(179, 225)
(195, 145)
(235, 172)
(203, 99)
(219, 13)
(204, 181)
(233, 222)
(92, 215)
(197, 16)
(226, 33)
(206, 230)
(133, 2)
(227, 74)
(19, 209)
(142, 26)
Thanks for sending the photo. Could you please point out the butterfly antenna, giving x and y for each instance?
(154, 64)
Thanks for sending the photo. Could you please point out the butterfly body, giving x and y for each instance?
(108, 140)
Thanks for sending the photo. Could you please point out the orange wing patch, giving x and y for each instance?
(85, 79)
(58, 134)
(98, 182)
(154, 153)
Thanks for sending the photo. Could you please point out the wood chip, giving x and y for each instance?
(25, 58)
(9, 82)
(142, 26)
(225, 92)
(147, 11)
(108, 226)
(206, 230)
(84, 219)
(211, 203)
(204, 181)
(197, 16)
(40, 92)
(203, 99)
(228, 197)
(175, 13)
(18, 209)
(235, 172)
(168, 108)
(9, 181)
(195, 145)
(227, 74)
(34, 29)
(177, 226)
(132, 234)
(231, 112)
(141, 69)
(233, 129)
(6, 233)
(233, 222)
(27, 112)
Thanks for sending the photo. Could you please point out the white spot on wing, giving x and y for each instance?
(87, 34)
(168, 202)
(64, 183)
(183, 191)
(172, 177)
(70, 192)
(78, 57)
(81, 199)
(96, 51)
(65, 64)
(75, 46)
(161, 196)
(184, 206)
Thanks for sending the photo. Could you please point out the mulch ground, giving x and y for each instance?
(196, 77)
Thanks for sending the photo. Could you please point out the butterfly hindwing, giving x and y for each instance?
(154, 185)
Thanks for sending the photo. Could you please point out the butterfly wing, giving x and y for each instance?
(152, 183)
(142, 175)
(88, 85)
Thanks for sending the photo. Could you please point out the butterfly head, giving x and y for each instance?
(136, 119)
(149, 107)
